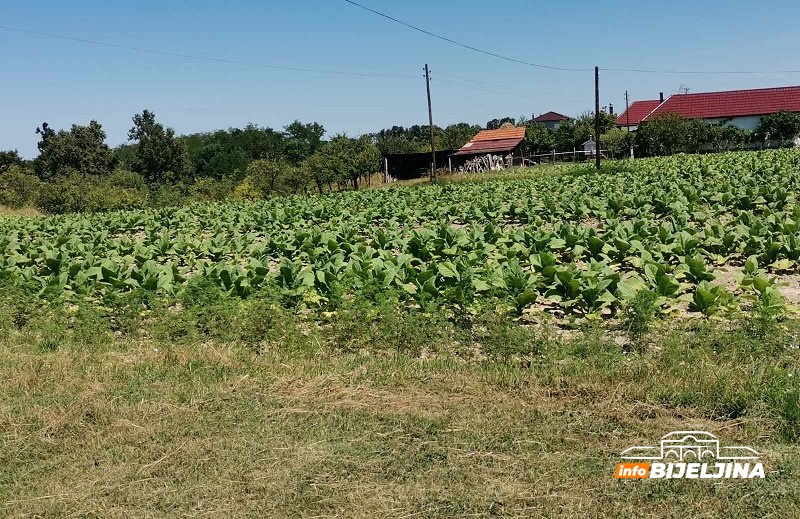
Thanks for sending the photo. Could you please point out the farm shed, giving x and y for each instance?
(551, 119)
(508, 140)
(405, 166)
(742, 108)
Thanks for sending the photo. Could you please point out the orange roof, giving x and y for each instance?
(502, 133)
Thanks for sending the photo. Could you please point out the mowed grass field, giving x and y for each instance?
(242, 410)
(387, 354)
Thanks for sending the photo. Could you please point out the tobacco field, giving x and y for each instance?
(575, 242)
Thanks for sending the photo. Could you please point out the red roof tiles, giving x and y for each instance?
(502, 133)
(550, 117)
(472, 148)
(734, 103)
(637, 111)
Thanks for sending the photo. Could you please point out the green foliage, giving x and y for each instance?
(19, 187)
(302, 141)
(495, 124)
(783, 127)
(82, 149)
(639, 313)
(160, 156)
(10, 158)
(578, 243)
(662, 135)
(539, 138)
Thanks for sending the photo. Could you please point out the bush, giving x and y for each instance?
(75, 193)
(211, 190)
(18, 187)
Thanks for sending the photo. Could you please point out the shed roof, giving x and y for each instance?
(474, 148)
(637, 111)
(732, 103)
(550, 117)
(502, 133)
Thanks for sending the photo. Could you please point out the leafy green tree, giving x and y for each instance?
(585, 126)
(10, 158)
(302, 140)
(494, 124)
(662, 135)
(271, 177)
(783, 126)
(398, 144)
(697, 133)
(539, 138)
(616, 142)
(160, 156)
(457, 135)
(81, 149)
(567, 136)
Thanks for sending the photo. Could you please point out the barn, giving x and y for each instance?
(506, 143)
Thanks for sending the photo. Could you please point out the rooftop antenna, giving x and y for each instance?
(683, 89)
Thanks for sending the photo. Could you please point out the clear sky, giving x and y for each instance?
(65, 82)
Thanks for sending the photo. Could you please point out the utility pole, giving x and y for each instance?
(430, 122)
(597, 117)
(628, 122)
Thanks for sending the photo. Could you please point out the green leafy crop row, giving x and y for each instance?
(575, 242)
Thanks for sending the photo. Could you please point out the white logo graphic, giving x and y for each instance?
(690, 455)
(695, 446)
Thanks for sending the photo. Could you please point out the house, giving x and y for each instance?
(505, 141)
(551, 119)
(742, 108)
(636, 112)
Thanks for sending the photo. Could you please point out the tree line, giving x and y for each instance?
(76, 170)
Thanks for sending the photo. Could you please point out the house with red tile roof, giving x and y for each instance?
(551, 119)
(742, 108)
(636, 112)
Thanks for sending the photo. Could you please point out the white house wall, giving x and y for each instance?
(745, 123)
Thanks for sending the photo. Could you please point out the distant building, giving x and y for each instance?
(741, 108)
(636, 112)
(551, 119)
(508, 140)
(589, 148)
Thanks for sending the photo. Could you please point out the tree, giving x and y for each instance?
(457, 135)
(663, 135)
(540, 140)
(783, 127)
(585, 125)
(398, 144)
(615, 141)
(10, 158)
(567, 136)
(270, 177)
(160, 156)
(344, 160)
(302, 141)
(494, 124)
(698, 132)
(81, 149)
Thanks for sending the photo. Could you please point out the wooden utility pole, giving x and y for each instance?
(597, 117)
(430, 122)
(628, 122)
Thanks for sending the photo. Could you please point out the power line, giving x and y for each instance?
(567, 69)
(464, 45)
(203, 58)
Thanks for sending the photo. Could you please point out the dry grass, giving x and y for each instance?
(22, 211)
(136, 428)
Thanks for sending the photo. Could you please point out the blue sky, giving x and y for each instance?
(65, 82)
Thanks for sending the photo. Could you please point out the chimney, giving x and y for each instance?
(661, 96)
(611, 108)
